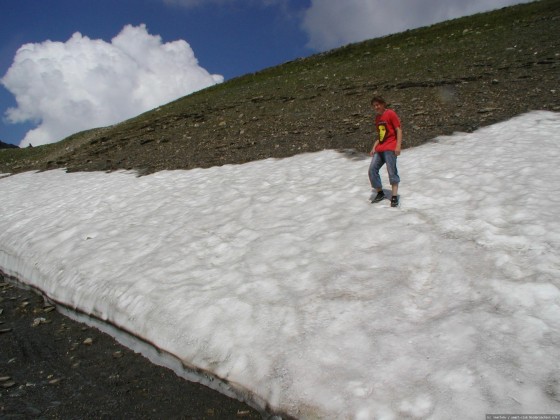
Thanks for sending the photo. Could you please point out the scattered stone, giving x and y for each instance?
(5, 330)
(1, 311)
(8, 384)
(243, 413)
(5, 378)
(118, 354)
(48, 308)
(486, 110)
(88, 341)
(38, 321)
(55, 381)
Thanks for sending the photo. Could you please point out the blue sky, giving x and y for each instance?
(228, 38)
(224, 37)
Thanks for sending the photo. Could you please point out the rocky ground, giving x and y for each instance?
(455, 76)
(52, 367)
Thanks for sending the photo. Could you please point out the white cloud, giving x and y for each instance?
(84, 83)
(332, 23)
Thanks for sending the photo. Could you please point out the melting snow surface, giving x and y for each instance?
(281, 278)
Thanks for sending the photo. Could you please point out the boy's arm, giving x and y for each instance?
(399, 141)
(373, 148)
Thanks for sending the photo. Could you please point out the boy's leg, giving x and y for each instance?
(376, 163)
(393, 172)
(391, 160)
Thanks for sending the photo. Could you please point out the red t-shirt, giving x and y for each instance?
(387, 124)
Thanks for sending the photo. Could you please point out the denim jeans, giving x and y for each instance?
(379, 159)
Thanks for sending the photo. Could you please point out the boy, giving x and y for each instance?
(385, 150)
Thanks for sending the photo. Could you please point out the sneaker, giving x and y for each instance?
(395, 201)
(378, 197)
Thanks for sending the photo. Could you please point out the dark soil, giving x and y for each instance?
(52, 367)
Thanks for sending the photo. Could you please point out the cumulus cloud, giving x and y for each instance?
(332, 23)
(82, 83)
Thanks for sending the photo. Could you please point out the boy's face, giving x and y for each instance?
(378, 107)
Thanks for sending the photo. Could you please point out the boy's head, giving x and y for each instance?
(378, 104)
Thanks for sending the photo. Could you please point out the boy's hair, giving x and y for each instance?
(378, 99)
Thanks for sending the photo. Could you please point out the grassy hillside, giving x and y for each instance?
(454, 76)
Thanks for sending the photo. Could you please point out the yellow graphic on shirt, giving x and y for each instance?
(382, 132)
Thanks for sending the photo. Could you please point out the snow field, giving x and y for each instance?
(280, 277)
